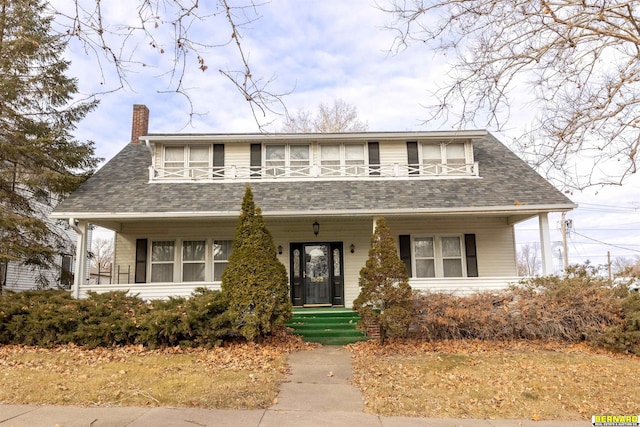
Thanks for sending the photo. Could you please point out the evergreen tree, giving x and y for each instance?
(255, 282)
(39, 159)
(385, 294)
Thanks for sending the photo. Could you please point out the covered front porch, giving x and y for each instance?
(323, 254)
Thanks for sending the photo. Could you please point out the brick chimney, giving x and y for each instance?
(139, 123)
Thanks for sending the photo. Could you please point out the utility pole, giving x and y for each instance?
(609, 266)
(564, 240)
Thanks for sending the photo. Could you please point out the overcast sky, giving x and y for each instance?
(318, 51)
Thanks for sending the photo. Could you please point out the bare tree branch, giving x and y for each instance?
(579, 60)
(173, 30)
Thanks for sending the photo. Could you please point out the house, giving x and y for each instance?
(451, 199)
(16, 275)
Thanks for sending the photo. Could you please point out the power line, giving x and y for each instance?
(607, 244)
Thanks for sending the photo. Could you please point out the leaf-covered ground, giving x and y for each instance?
(482, 379)
(243, 376)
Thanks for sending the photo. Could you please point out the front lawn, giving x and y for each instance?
(484, 379)
(236, 376)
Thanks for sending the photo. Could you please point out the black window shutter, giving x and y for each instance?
(405, 251)
(412, 158)
(218, 160)
(256, 159)
(472, 258)
(218, 154)
(374, 158)
(141, 261)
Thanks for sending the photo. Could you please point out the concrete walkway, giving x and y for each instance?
(318, 394)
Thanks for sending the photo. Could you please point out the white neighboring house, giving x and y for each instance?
(16, 276)
(451, 199)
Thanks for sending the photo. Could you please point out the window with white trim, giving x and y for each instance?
(446, 157)
(286, 159)
(162, 260)
(221, 253)
(192, 161)
(194, 260)
(342, 159)
(438, 256)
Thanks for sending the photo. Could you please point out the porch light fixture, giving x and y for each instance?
(353, 248)
(279, 249)
(316, 228)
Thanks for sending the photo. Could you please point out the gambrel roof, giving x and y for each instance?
(121, 189)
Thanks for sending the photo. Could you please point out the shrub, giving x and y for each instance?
(44, 318)
(109, 319)
(200, 320)
(50, 318)
(385, 294)
(255, 282)
(577, 307)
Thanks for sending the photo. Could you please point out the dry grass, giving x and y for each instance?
(480, 379)
(245, 376)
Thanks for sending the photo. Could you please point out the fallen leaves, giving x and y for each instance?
(237, 375)
(486, 379)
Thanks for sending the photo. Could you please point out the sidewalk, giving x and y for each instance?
(318, 394)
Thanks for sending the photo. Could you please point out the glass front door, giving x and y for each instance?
(317, 287)
(316, 274)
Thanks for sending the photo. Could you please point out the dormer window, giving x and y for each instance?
(436, 158)
(286, 159)
(342, 159)
(190, 161)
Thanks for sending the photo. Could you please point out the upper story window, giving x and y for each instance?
(285, 159)
(342, 159)
(446, 158)
(191, 161)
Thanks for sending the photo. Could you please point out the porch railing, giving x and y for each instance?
(395, 170)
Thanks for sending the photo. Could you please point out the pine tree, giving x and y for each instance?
(385, 294)
(255, 282)
(39, 159)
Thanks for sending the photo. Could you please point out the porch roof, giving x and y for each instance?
(121, 190)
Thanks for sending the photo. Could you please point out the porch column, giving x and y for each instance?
(545, 244)
(80, 270)
(375, 224)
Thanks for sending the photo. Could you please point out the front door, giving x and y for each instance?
(316, 274)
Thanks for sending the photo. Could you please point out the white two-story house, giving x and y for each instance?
(451, 199)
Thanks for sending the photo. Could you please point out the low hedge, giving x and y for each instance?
(49, 318)
(577, 307)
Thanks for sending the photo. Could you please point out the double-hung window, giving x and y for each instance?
(162, 260)
(342, 159)
(187, 161)
(286, 160)
(221, 253)
(450, 158)
(438, 256)
(198, 161)
(193, 260)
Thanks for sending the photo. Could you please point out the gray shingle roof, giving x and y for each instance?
(121, 187)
